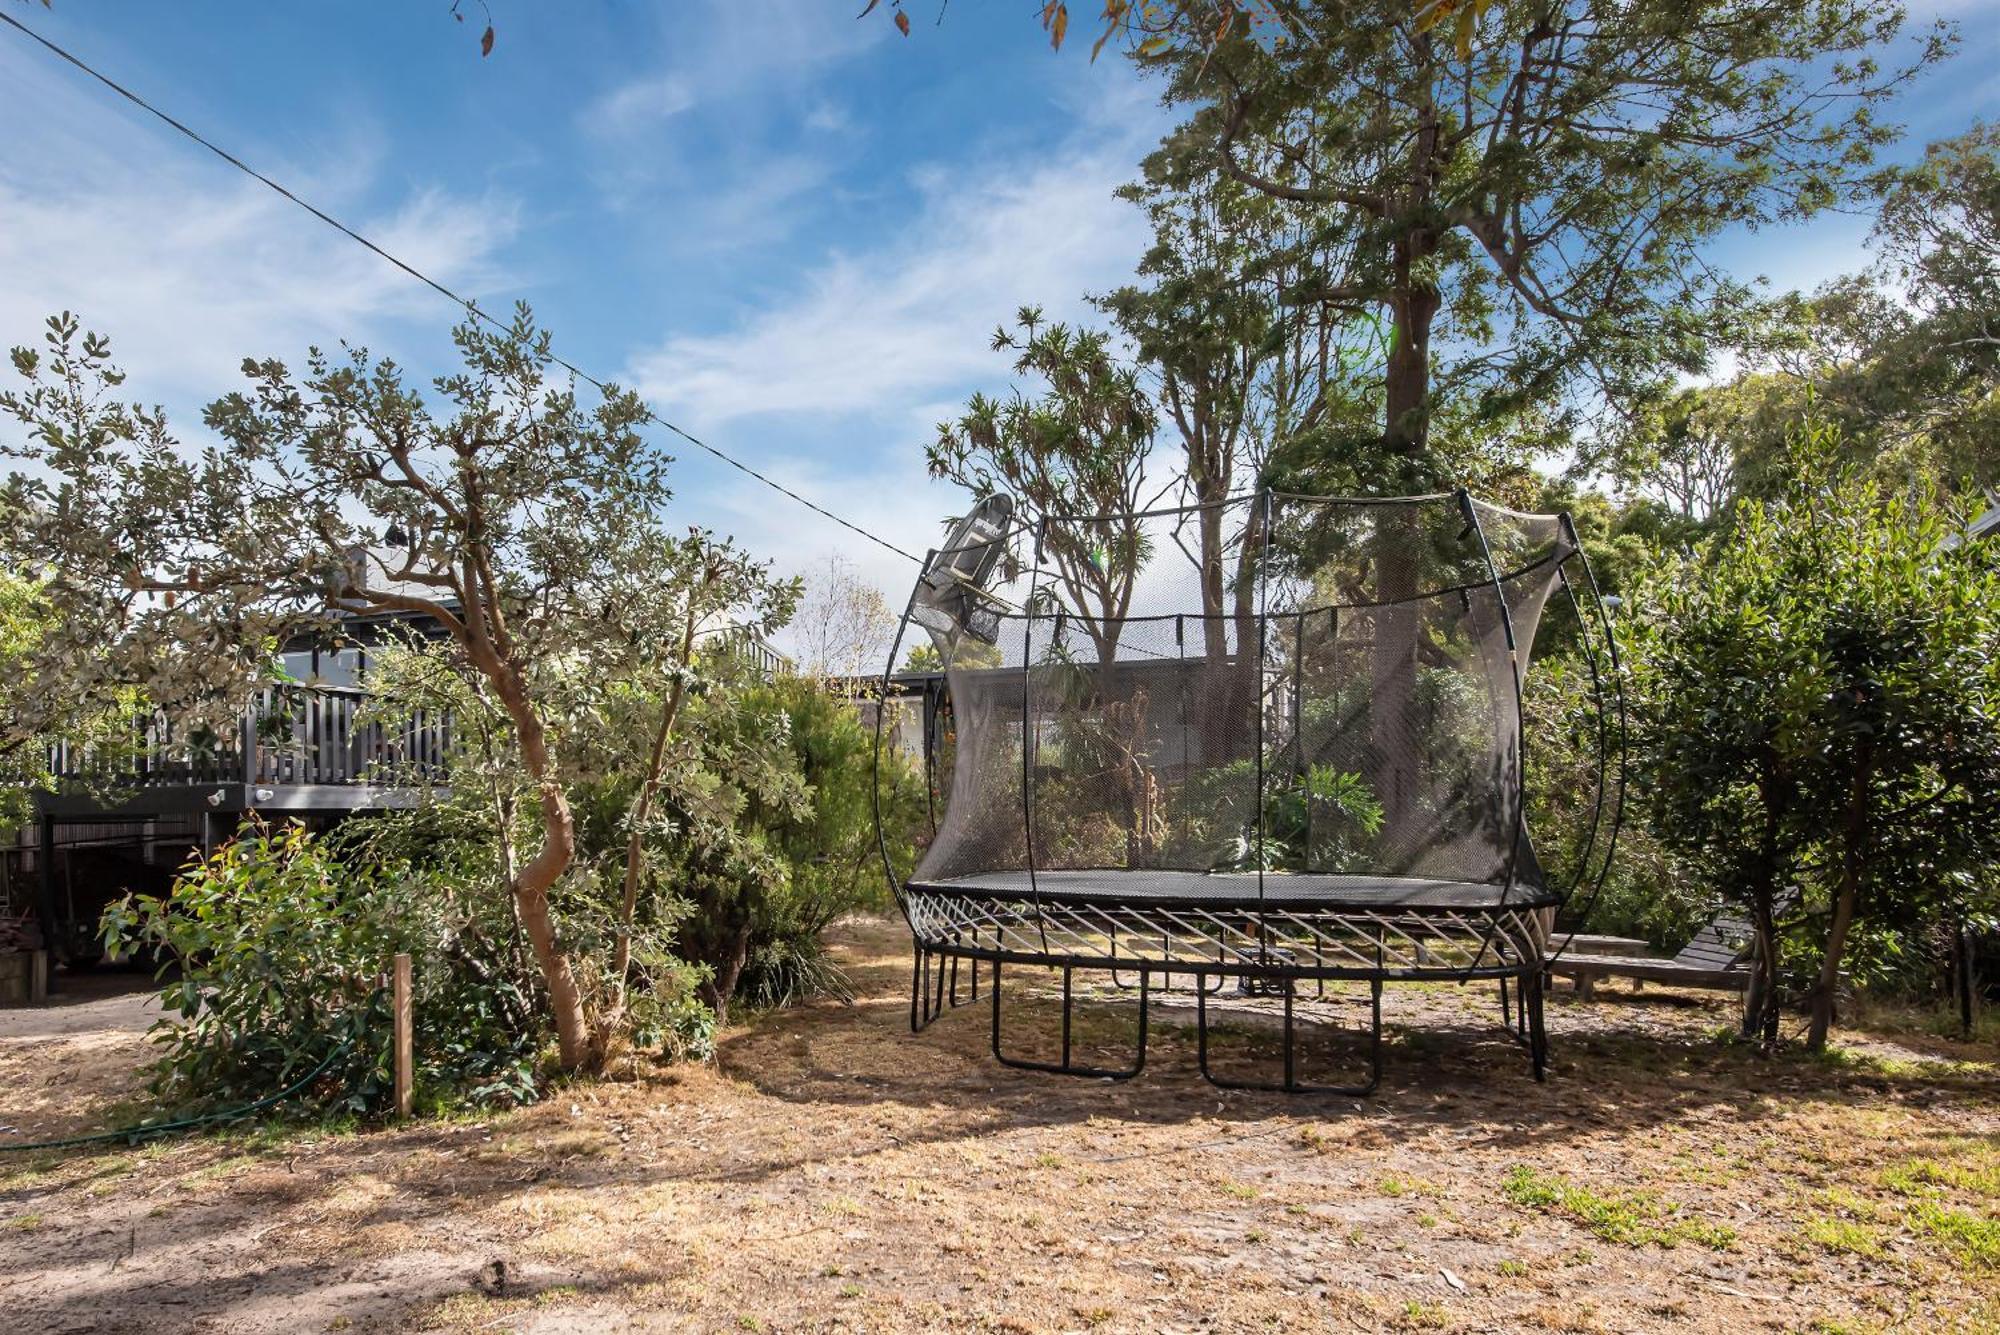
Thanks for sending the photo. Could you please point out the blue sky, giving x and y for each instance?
(794, 231)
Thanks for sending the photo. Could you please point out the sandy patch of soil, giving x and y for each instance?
(834, 1172)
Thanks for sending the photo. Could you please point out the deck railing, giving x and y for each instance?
(286, 735)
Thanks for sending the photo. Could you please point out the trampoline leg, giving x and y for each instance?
(916, 986)
(1066, 1066)
(1292, 1084)
(1506, 1015)
(1538, 1038)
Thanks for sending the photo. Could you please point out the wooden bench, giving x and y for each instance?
(1585, 944)
(1718, 958)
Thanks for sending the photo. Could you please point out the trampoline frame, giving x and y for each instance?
(1411, 941)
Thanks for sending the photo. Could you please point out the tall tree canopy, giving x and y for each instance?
(1526, 214)
(1903, 357)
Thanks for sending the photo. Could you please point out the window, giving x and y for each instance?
(340, 667)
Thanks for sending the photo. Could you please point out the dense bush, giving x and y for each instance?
(1572, 736)
(1818, 697)
(831, 851)
(276, 951)
(772, 837)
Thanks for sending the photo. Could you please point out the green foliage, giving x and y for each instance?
(765, 835)
(275, 953)
(1073, 458)
(922, 658)
(1818, 708)
(1901, 358)
(1629, 1219)
(1647, 892)
(834, 862)
(531, 541)
(1321, 820)
(1526, 212)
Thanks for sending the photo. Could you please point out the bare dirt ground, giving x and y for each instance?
(832, 1172)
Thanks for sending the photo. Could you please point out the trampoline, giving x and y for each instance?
(1299, 761)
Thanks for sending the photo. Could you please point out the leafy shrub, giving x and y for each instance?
(1319, 821)
(1819, 711)
(820, 857)
(1647, 892)
(276, 954)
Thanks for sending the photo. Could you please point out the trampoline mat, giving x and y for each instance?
(1238, 890)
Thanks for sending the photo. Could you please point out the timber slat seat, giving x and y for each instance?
(1587, 944)
(1718, 957)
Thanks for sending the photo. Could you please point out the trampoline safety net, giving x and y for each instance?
(1337, 705)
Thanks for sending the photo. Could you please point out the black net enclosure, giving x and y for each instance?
(1269, 743)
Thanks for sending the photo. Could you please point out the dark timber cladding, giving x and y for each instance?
(1320, 779)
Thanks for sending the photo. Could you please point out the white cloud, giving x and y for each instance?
(869, 331)
(714, 57)
(189, 267)
(640, 104)
(834, 385)
(828, 118)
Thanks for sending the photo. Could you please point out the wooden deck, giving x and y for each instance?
(295, 749)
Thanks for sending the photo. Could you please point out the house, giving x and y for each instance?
(129, 818)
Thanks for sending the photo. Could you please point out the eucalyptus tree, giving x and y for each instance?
(515, 519)
(1681, 453)
(1908, 352)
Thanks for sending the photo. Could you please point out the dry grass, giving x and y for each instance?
(833, 1172)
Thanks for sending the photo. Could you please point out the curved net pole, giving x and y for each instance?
(1263, 568)
(1603, 768)
(1028, 742)
(1624, 731)
(933, 705)
(1180, 691)
(1603, 719)
(875, 755)
(1478, 530)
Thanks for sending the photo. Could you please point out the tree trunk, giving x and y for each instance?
(1829, 968)
(728, 968)
(642, 809)
(1215, 634)
(531, 896)
(1963, 984)
(1854, 854)
(1413, 306)
(1242, 691)
(540, 873)
(1760, 1001)
(1393, 665)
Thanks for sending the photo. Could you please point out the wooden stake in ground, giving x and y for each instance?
(404, 1046)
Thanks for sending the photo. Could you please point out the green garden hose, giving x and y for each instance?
(142, 1132)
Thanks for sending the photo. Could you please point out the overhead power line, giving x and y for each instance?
(433, 283)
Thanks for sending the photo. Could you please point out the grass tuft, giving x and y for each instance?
(1842, 1235)
(1630, 1219)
